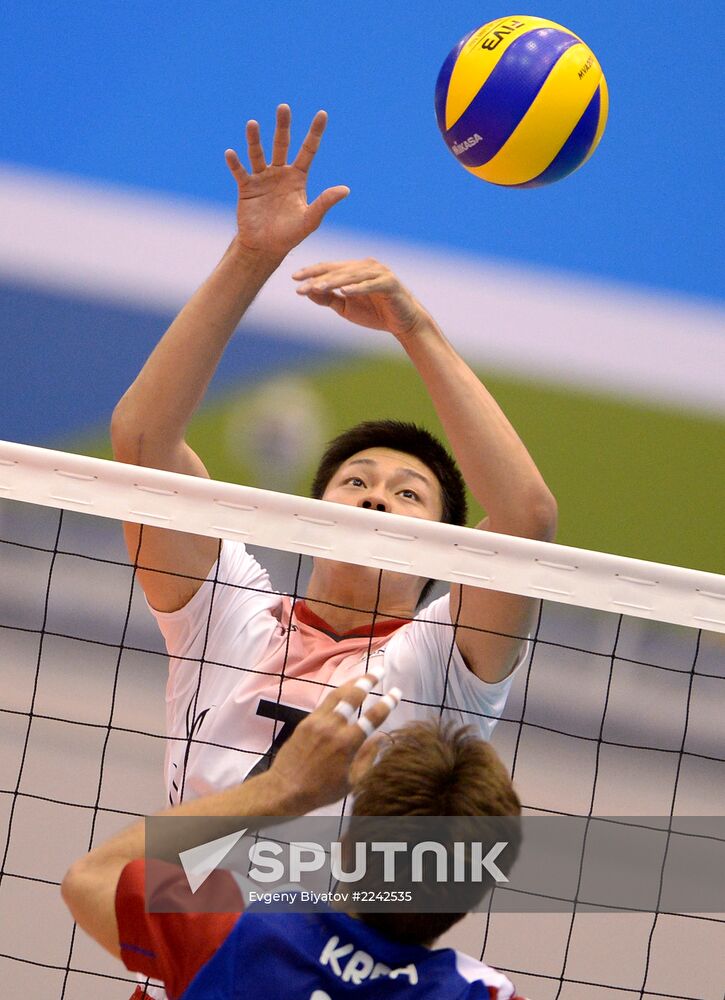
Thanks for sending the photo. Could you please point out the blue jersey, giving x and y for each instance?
(258, 955)
(330, 956)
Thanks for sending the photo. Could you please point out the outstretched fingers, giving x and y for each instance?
(235, 166)
(347, 701)
(314, 270)
(376, 715)
(380, 283)
(254, 147)
(352, 693)
(322, 204)
(280, 144)
(311, 142)
(344, 276)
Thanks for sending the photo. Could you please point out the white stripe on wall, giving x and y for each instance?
(152, 251)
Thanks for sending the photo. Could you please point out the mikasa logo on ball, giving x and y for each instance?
(461, 147)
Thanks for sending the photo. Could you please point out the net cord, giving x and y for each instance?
(544, 570)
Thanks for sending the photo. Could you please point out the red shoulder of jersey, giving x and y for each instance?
(172, 946)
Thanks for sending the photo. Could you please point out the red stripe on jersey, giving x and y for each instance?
(383, 626)
(493, 992)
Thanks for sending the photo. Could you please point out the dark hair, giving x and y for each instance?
(436, 769)
(410, 439)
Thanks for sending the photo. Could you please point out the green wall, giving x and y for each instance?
(629, 478)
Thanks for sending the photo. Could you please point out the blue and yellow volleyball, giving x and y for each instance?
(521, 102)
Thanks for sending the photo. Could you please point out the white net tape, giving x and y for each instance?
(617, 711)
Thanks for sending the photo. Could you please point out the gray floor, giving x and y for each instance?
(80, 721)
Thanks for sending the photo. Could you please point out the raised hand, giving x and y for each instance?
(365, 292)
(273, 215)
(331, 749)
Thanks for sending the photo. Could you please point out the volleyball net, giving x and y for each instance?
(616, 711)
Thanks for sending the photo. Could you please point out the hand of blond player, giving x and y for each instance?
(315, 762)
(273, 214)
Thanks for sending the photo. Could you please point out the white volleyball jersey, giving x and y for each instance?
(248, 664)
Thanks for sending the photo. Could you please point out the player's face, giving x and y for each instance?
(387, 480)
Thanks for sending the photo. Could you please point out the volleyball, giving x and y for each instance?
(521, 102)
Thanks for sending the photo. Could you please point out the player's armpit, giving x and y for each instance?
(491, 629)
(171, 565)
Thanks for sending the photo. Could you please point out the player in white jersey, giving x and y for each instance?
(238, 654)
(225, 720)
(306, 956)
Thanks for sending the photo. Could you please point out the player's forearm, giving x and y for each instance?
(311, 770)
(153, 414)
(89, 887)
(494, 461)
(263, 795)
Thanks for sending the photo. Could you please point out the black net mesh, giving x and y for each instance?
(608, 715)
